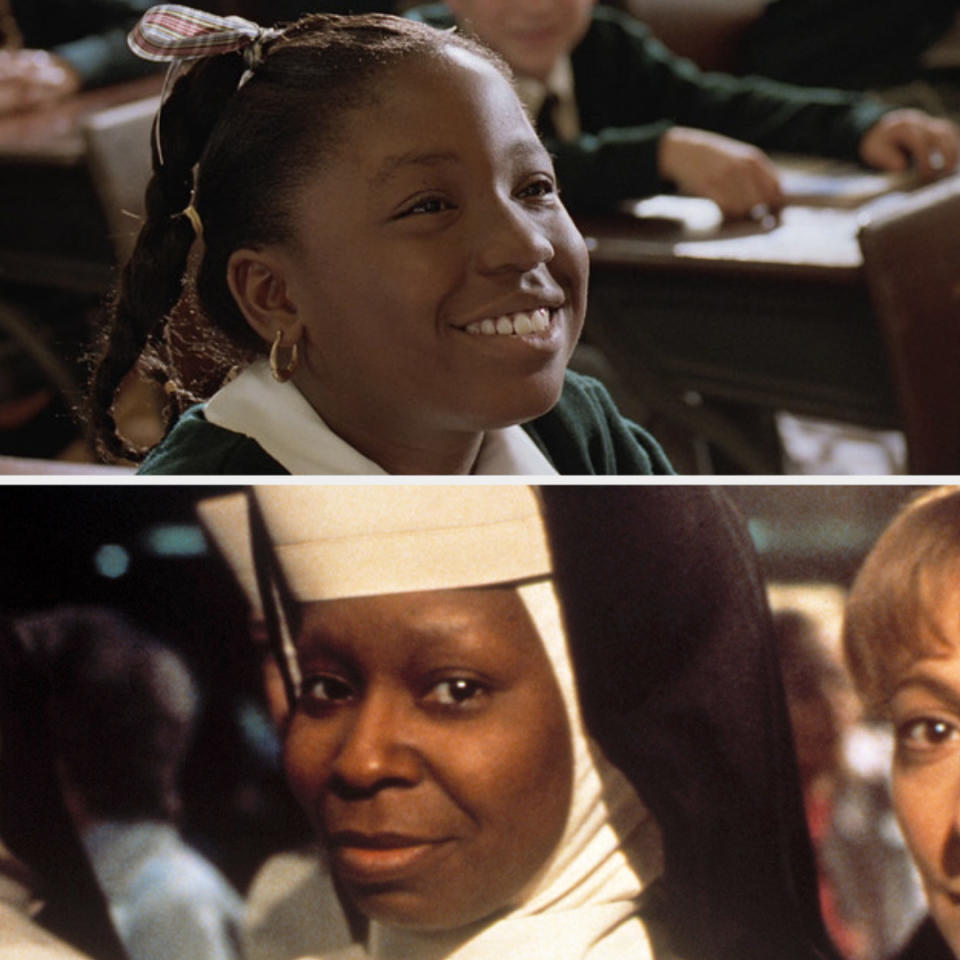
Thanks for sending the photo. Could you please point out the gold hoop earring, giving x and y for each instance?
(283, 374)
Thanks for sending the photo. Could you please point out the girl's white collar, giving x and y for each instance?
(281, 420)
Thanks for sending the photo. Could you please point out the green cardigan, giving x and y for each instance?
(845, 43)
(630, 90)
(583, 434)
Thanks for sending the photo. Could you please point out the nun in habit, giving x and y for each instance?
(478, 785)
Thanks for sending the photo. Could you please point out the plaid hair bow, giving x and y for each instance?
(171, 32)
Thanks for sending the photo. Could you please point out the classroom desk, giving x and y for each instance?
(701, 316)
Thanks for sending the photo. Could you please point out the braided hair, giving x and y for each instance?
(239, 152)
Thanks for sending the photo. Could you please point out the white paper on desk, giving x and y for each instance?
(801, 236)
(830, 183)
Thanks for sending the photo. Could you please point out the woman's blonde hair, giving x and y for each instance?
(898, 609)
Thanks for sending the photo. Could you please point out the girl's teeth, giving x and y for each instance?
(522, 323)
(518, 324)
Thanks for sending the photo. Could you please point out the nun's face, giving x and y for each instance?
(430, 749)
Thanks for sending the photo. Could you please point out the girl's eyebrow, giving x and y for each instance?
(412, 158)
(392, 165)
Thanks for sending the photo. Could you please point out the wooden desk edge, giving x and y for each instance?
(53, 135)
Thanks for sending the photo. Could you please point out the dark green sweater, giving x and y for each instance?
(583, 434)
(630, 89)
(846, 43)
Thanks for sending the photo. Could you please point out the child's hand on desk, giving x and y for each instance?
(738, 177)
(905, 138)
(32, 78)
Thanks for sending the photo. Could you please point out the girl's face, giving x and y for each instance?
(438, 282)
(925, 710)
(431, 751)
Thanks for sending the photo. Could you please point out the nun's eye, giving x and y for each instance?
(457, 692)
(323, 688)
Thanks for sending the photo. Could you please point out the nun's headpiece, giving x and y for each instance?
(294, 544)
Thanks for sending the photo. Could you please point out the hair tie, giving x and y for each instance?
(190, 212)
(171, 32)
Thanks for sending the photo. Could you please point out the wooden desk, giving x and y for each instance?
(53, 231)
(773, 315)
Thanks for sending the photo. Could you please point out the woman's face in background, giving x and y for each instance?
(925, 709)
(431, 751)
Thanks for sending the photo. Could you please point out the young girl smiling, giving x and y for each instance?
(375, 208)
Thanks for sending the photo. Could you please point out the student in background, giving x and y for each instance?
(122, 709)
(50, 905)
(626, 118)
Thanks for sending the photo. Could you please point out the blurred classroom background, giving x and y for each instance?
(820, 342)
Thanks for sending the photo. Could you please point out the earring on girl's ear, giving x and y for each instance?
(283, 374)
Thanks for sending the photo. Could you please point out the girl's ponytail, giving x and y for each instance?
(152, 281)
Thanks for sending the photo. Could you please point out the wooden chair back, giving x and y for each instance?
(911, 254)
(118, 155)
